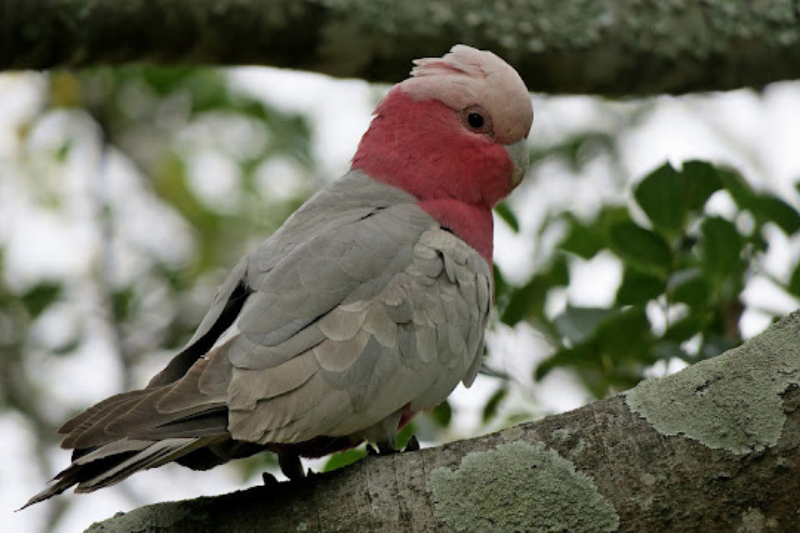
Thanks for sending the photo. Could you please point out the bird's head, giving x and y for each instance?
(455, 129)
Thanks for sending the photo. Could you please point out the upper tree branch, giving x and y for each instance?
(572, 46)
(712, 448)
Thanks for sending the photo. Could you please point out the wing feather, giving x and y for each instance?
(410, 341)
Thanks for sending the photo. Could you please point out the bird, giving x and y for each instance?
(366, 307)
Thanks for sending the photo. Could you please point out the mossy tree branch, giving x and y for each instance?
(712, 448)
(608, 47)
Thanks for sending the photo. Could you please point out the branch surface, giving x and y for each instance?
(611, 47)
(712, 448)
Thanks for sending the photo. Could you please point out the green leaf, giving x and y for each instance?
(701, 180)
(769, 208)
(794, 281)
(738, 187)
(584, 240)
(600, 340)
(490, 409)
(638, 287)
(529, 299)
(765, 207)
(668, 349)
(580, 323)
(342, 459)
(668, 196)
(661, 196)
(40, 297)
(721, 249)
(501, 287)
(162, 80)
(641, 248)
(687, 327)
(582, 355)
(408, 430)
(688, 286)
(122, 301)
(507, 215)
(624, 333)
(442, 414)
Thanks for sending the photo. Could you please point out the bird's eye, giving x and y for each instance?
(477, 120)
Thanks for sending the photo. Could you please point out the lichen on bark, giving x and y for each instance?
(732, 402)
(519, 487)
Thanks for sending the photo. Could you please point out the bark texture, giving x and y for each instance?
(612, 47)
(712, 448)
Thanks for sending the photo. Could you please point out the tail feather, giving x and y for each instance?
(147, 428)
(110, 464)
(115, 448)
(157, 454)
(90, 416)
(88, 428)
(74, 474)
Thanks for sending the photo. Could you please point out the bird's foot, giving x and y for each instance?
(291, 466)
(386, 448)
(412, 445)
(383, 449)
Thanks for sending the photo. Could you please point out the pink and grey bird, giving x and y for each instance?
(367, 306)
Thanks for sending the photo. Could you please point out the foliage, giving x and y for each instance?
(684, 270)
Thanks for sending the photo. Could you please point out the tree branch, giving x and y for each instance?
(712, 448)
(574, 46)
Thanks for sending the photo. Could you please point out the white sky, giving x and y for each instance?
(758, 134)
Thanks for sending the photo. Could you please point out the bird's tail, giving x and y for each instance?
(111, 463)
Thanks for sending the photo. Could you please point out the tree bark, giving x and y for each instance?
(611, 47)
(711, 448)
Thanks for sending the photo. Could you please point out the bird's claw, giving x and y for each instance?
(385, 448)
(412, 445)
(291, 466)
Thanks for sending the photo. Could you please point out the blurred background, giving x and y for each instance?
(648, 234)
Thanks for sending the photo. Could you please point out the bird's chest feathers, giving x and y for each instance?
(472, 224)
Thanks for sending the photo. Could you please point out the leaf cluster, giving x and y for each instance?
(683, 272)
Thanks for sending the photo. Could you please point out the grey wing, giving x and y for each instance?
(387, 314)
(345, 201)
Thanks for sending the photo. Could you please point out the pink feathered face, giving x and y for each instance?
(440, 134)
(451, 136)
(435, 152)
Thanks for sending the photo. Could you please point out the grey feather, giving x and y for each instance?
(336, 356)
(156, 454)
(250, 351)
(342, 324)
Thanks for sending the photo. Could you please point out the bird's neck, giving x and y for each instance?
(472, 224)
(422, 148)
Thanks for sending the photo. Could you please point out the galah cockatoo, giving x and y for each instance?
(367, 306)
